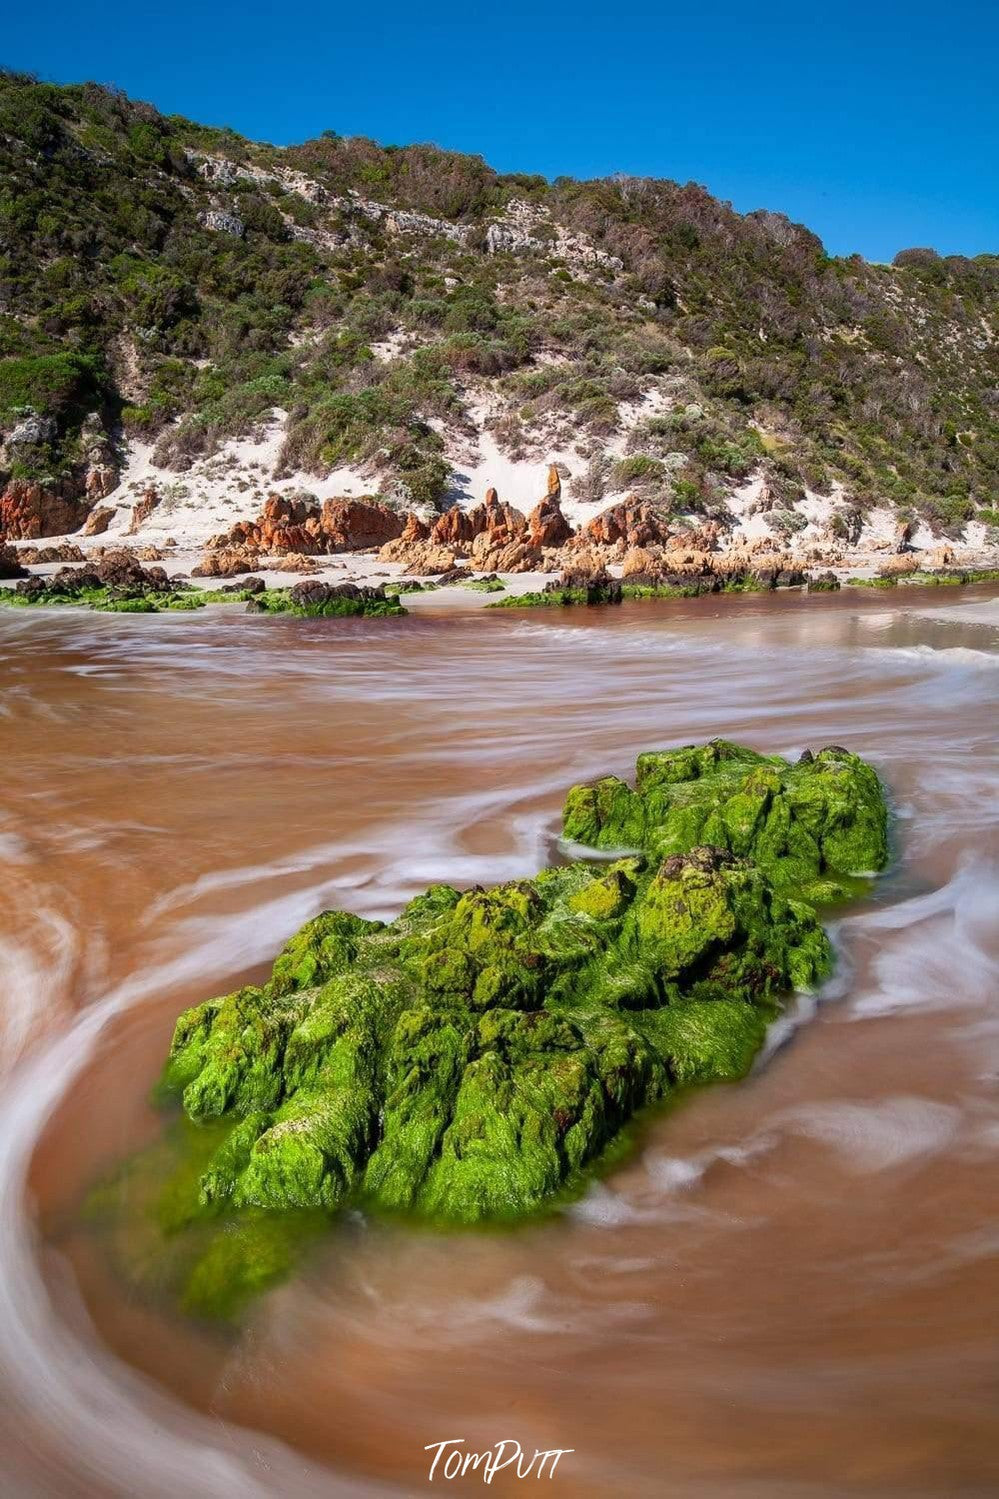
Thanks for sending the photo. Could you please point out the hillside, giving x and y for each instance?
(184, 308)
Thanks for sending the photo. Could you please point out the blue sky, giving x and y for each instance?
(875, 124)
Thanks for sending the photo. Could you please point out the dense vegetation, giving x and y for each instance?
(117, 296)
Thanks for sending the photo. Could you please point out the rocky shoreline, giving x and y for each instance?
(357, 556)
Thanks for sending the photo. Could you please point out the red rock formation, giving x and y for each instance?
(459, 528)
(513, 556)
(420, 556)
(298, 526)
(143, 509)
(29, 510)
(415, 529)
(351, 525)
(503, 522)
(554, 483)
(632, 521)
(546, 525)
(227, 562)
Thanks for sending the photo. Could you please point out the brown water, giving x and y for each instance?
(791, 1289)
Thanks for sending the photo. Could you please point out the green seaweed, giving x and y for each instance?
(810, 826)
(343, 606)
(472, 1061)
(103, 599)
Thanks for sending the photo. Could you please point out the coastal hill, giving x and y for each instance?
(187, 313)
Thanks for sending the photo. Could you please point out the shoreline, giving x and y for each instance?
(458, 599)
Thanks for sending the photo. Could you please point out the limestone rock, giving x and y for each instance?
(223, 223)
(32, 429)
(98, 520)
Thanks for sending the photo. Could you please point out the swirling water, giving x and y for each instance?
(792, 1287)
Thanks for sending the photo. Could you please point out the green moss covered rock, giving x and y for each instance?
(464, 1062)
(810, 826)
(467, 1062)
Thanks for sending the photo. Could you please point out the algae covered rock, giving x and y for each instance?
(810, 826)
(464, 1061)
(467, 1062)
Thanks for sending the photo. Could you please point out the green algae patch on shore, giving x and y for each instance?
(949, 578)
(328, 603)
(811, 827)
(597, 593)
(104, 600)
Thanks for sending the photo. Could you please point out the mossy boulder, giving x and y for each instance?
(465, 1060)
(811, 826)
(468, 1062)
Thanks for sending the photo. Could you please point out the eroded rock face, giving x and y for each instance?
(511, 556)
(426, 560)
(227, 562)
(143, 509)
(418, 550)
(29, 510)
(503, 523)
(351, 525)
(546, 525)
(293, 524)
(899, 564)
(585, 570)
(65, 551)
(631, 521)
(459, 528)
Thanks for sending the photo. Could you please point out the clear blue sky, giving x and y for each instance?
(876, 124)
